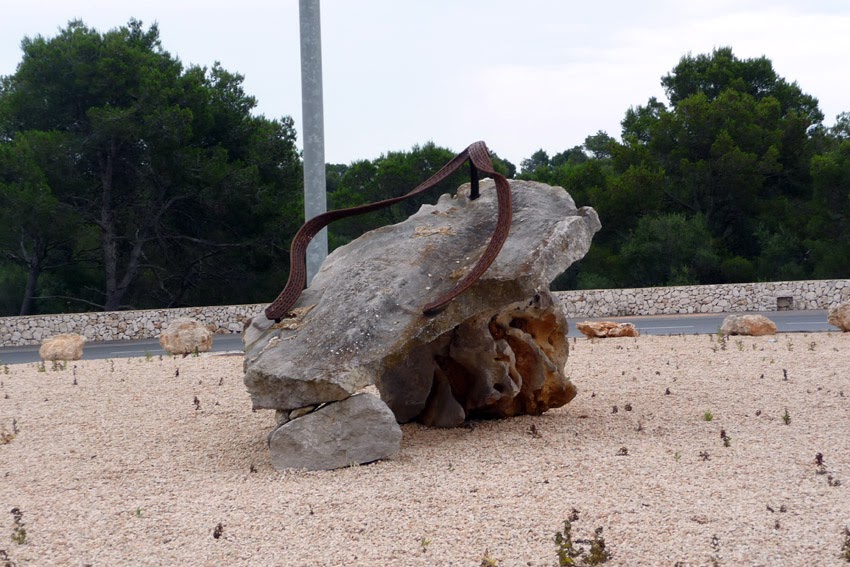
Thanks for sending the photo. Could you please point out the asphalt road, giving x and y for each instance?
(811, 321)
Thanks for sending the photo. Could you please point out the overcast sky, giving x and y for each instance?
(520, 75)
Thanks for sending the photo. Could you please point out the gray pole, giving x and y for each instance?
(315, 189)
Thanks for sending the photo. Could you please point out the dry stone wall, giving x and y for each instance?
(121, 325)
(147, 324)
(720, 298)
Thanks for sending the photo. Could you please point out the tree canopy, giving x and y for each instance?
(148, 184)
(728, 180)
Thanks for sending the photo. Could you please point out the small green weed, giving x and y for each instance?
(786, 418)
(567, 550)
(708, 416)
(488, 561)
(19, 532)
(424, 543)
(564, 547)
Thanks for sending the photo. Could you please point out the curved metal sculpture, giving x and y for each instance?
(479, 163)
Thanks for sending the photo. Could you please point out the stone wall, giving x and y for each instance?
(772, 296)
(721, 298)
(120, 325)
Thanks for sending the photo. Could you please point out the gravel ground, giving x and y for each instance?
(125, 462)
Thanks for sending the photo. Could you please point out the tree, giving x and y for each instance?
(733, 146)
(37, 231)
(391, 175)
(169, 168)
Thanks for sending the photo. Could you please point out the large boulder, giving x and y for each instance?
(839, 316)
(753, 325)
(490, 352)
(68, 346)
(606, 329)
(185, 336)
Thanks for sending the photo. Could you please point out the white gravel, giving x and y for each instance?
(125, 468)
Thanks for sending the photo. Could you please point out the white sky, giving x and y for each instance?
(520, 75)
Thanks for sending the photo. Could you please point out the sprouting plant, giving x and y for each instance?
(564, 546)
(148, 355)
(19, 531)
(41, 367)
(821, 466)
(677, 456)
(598, 553)
(488, 561)
(138, 512)
(786, 418)
(6, 436)
(740, 345)
(424, 543)
(708, 416)
(715, 546)
(725, 438)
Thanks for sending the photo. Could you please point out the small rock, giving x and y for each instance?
(840, 316)
(62, 347)
(185, 336)
(752, 325)
(607, 329)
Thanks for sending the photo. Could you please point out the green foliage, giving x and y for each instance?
(391, 175)
(160, 187)
(734, 179)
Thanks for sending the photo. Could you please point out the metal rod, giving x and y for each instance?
(315, 188)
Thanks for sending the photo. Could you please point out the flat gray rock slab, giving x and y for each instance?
(357, 430)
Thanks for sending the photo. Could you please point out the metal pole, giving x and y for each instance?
(315, 189)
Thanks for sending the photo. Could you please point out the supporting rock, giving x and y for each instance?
(357, 430)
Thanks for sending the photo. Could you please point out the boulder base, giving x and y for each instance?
(753, 325)
(359, 429)
(493, 365)
(62, 347)
(185, 336)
